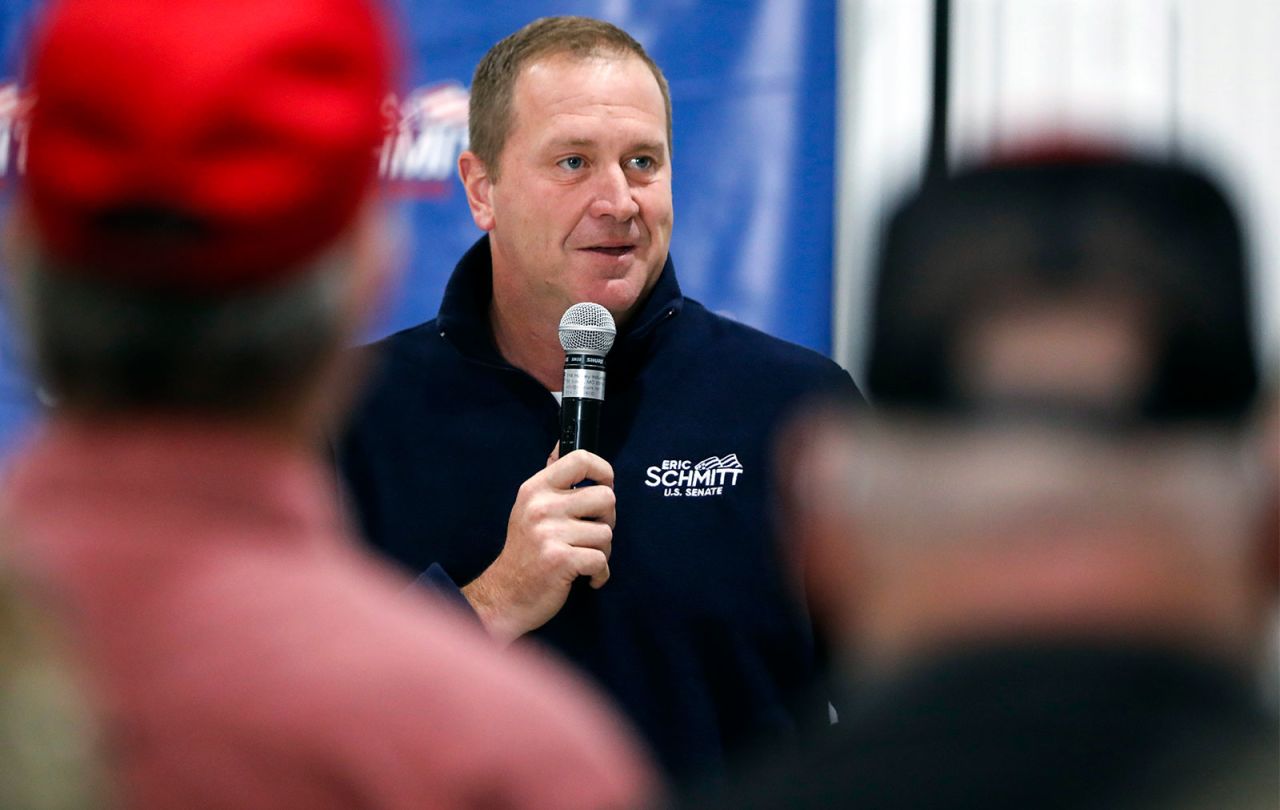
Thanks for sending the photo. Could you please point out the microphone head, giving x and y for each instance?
(587, 328)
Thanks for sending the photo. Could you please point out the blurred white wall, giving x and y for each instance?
(1195, 79)
(886, 52)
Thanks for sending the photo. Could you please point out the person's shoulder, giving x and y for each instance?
(413, 345)
(744, 350)
(397, 369)
(749, 343)
(471, 718)
(513, 712)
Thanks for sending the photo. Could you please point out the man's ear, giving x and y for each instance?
(479, 186)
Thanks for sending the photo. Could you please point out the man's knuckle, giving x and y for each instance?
(544, 534)
(540, 509)
(554, 555)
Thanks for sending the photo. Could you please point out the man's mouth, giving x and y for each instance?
(612, 250)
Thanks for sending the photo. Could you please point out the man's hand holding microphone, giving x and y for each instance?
(561, 526)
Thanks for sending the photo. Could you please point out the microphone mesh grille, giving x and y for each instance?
(587, 328)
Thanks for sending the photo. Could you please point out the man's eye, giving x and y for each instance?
(572, 163)
(642, 162)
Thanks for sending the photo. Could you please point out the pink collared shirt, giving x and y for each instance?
(245, 654)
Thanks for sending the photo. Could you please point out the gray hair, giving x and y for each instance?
(106, 348)
(924, 484)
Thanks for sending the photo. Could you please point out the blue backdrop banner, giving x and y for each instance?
(753, 90)
(17, 398)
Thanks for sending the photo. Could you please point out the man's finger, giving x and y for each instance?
(589, 534)
(592, 503)
(600, 579)
(590, 562)
(576, 467)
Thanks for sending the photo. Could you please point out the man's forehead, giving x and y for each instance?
(568, 61)
(574, 102)
(565, 80)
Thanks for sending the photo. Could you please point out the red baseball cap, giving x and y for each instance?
(202, 145)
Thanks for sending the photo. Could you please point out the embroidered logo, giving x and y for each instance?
(680, 478)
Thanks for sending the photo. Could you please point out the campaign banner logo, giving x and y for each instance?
(426, 134)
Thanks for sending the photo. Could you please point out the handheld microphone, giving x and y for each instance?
(586, 333)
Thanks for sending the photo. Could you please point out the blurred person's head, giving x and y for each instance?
(1063, 442)
(1144, 261)
(569, 168)
(196, 232)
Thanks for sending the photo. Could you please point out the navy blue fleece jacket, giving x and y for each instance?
(697, 633)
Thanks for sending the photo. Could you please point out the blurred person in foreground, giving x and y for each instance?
(1050, 553)
(51, 760)
(195, 242)
(664, 579)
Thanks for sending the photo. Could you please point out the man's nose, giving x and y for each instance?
(614, 196)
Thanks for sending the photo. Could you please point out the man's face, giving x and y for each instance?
(582, 209)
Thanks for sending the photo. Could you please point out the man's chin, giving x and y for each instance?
(621, 296)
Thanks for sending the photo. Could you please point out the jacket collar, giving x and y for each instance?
(464, 309)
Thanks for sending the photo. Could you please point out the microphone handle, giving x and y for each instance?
(581, 402)
(579, 424)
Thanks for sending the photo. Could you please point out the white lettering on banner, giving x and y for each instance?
(428, 130)
(13, 143)
(681, 478)
(425, 134)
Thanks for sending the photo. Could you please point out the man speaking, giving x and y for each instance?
(683, 612)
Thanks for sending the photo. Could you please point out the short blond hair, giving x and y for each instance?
(493, 85)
